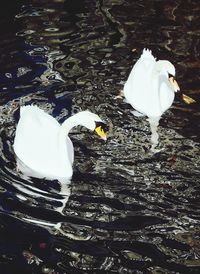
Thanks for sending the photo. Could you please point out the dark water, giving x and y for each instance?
(127, 210)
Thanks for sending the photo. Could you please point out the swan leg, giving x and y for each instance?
(154, 122)
(137, 113)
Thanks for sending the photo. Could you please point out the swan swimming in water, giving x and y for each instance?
(150, 89)
(42, 145)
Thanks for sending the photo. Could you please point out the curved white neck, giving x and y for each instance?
(67, 125)
(63, 139)
(160, 74)
(71, 122)
(84, 118)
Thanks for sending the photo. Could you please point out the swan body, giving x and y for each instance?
(42, 145)
(149, 88)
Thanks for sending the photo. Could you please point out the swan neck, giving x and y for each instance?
(157, 75)
(158, 66)
(161, 67)
(68, 124)
(64, 140)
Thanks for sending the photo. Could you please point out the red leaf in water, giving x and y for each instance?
(42, 245)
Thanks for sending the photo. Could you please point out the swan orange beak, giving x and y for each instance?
(174, 84)
(99, 130)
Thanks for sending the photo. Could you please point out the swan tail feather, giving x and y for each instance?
(147, 54)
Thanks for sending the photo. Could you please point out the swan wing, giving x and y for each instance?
(36, 136)
(137, 89)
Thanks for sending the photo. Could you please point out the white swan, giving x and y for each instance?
(42, 145)
(150, 89)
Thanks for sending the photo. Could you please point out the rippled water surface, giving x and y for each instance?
(126, 210)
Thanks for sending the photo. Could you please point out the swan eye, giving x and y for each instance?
(174, 83)
(99, 130)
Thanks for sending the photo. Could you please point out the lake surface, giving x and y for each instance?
(126, 209)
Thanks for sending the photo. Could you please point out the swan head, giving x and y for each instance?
(167, 68)
(100, 130)
(93, 122)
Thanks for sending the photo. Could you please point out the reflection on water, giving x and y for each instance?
(126, 210)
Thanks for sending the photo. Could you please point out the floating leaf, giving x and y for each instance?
(188, 100)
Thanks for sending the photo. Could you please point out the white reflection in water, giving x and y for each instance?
(154, 122)
(34, 192)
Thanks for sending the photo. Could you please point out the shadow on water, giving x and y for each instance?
(126, 210)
